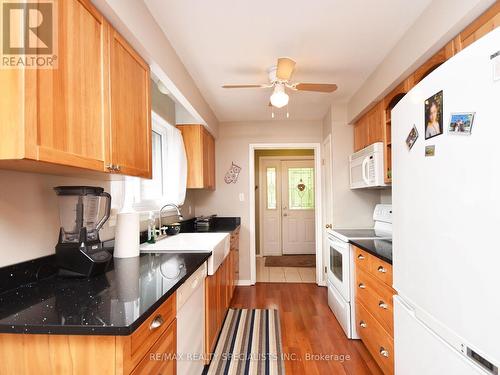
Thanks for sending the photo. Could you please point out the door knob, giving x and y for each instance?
(328, 226)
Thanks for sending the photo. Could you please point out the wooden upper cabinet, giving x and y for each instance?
(200, 152)
(130, 132)
(369, 128)
(91, 112)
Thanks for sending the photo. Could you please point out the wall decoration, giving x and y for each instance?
(412, 137)
(434, 115)
(232, 174)
(430, 150)
(461, 123)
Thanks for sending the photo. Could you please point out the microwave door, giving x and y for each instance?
(360, 172)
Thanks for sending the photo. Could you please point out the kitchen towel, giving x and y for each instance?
(127, 235)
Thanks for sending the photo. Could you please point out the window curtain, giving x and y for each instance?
(175, 168)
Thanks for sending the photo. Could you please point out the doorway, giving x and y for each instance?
(285, 216)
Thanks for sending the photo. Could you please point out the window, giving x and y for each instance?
(271, 188)
(169, 171)
(301, 188)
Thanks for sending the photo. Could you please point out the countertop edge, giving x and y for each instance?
(370, 251)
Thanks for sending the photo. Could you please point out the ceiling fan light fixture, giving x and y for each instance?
(279, 98)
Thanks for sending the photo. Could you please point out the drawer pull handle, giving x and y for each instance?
(362, 324)
(383, 305)
(384, 352)
(381, 269)
(361, 257)
(156, 322)
(361, 286)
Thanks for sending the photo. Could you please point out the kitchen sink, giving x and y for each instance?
(217, 243)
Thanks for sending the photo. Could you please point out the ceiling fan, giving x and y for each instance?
(279, 79)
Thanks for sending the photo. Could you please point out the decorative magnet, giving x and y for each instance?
(412, 137)
(430, 150)
(232, 174)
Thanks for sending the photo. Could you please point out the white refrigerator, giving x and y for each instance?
(446, 221)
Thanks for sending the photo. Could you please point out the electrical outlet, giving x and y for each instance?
(242, 197)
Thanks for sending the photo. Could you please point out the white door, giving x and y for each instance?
(270, 207)
(298, 224)
(326, 169)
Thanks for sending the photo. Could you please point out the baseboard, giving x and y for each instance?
(244, 283)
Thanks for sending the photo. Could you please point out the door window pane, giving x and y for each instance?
(271, 188)
(301, 188)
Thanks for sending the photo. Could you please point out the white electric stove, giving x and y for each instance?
(341, 288)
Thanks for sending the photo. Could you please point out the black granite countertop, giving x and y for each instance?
(220, 224)
(115, 303)
(382, 249)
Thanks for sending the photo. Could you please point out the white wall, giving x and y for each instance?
(29, 213)
(351, 208)
(233, 145)
(436, 26)
(386, 196)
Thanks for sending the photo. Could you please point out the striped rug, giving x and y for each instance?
(249, 344)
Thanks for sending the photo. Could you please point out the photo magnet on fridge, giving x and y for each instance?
(430, 150)
(495, 61)
(434, 115)
(412, 137)
(461, 123)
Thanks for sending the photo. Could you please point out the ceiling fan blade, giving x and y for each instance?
(285, 68)
(243, 86)
(318, 87)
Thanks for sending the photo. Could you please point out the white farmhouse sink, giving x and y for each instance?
(217, 243)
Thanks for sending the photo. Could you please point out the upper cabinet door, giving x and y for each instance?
(208, 160)
(72, 100)
(130, 138)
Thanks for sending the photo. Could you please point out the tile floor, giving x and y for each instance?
(284, 274)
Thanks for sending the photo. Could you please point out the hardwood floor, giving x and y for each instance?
(308, 327)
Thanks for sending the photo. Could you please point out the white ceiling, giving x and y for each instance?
(236, 41)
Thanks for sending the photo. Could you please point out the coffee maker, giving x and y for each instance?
(79, 251)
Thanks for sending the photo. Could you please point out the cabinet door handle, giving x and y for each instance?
(361, 257)
(117, 168)
(384, 352)
(381, 269)
(383, 305)
(110, 167)
(362, 324)
(156, 322)
(361, 286)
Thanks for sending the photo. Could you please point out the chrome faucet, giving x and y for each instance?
(161, 210)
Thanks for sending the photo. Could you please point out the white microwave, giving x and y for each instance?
(367, 167)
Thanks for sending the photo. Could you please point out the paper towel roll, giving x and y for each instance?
(127, 235)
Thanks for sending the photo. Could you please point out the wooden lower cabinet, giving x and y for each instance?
(374, 307)
(158, 359)
(219, 291)
(150, 349)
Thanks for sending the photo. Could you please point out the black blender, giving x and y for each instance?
(80, 252)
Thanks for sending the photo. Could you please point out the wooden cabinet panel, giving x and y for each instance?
(72, 99)
(93, 111)
(360, 135)
(485, 23)
(130, 110)
(377, 298)
(159, 359)
(144, 337)
(426, 68)
(378, 342)
(200, 152)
